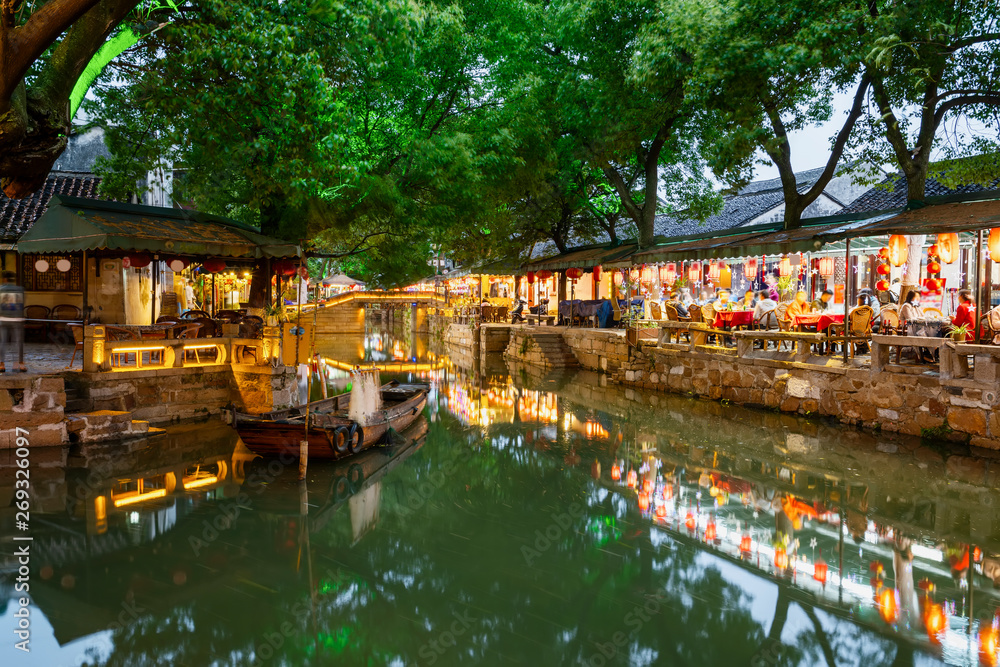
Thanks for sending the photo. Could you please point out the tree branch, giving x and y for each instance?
(841, 142)
(966, 100)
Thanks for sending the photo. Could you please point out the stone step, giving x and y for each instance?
(77, 404)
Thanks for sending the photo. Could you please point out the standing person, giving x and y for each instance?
(966, 314)
(190, 301)
(11, 320)
(771, 285)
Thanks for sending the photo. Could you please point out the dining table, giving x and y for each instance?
(929, 327)
(149, 331)
(730, 319)
(818, 321)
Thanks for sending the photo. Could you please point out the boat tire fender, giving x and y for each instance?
(341, 439)
(356, 439)
(356, 476)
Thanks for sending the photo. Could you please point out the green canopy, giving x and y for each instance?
(72, 224)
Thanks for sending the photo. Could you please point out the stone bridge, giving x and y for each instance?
(345, 313)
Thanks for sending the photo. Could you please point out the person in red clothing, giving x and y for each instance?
(966, 313)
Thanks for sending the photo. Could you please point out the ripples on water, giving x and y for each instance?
(529, 519)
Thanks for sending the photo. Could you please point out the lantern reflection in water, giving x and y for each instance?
(643, 501)
(616, 472)
(888, 608)
(632, 480)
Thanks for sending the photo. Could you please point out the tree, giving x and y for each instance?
(37, 74)
(763, 69)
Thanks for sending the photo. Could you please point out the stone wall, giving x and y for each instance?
(493, 340)
(35, 404)
(347, 317)
(173, 394)
(598, 350)
(906, 401)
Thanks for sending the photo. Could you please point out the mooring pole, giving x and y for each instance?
(304, 442)
(848, 289)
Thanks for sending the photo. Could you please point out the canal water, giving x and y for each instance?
(526, 518)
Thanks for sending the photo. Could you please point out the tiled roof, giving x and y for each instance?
(891, 193)
(18, 215)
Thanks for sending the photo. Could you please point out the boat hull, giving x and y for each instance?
(269, 437)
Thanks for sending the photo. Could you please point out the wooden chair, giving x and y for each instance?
(890, 321)
(654, 310)
(857, 328)
(230, 316)
(617, 311)
(670, 313)
(40, 314)
(194, 314)
(931, 311)
(77, 331)
(61, 313)
(694, 312)
(165, 319)
(990, 323)
(208, 328)
(118, 334)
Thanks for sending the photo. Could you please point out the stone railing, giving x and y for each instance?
(101, 354)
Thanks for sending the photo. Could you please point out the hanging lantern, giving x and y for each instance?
(785, 267)
(668, 273)
(947, 247)
(713, 271)
(616, 472)
(138, 260)
(544, 274)
(694, 272)
(633, 275)
(883, 253)
(898, 250)
(819, 569)
(750, 269)
(531, 277)
(597, 272)
(933, 267)
(888, 609)
(780, 558)
(826, 267)
(643, 501)
(882, 286)
(217, 265)
(42, 266)
(632, 479)
(710, 531)
(993, 244)
(574, 273)
(177, 264)
(619, 278)
(647, 274)
(63, 265)
(882, 269)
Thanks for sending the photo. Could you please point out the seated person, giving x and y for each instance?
(910, 310)
(966, 314)
(749, 300)
(722, 303)
(704, 298)
(798, 307)
(823, 302)
(764, 304)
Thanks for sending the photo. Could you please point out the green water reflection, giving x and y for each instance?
(499, 534)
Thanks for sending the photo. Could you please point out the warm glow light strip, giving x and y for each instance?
(141, 497)
(204, 481)
(387, 366)
(199, 347)
(135, 349)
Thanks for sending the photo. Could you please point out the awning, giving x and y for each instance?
(583, 257)
(941, 218)
(340, 280)
(72, 224)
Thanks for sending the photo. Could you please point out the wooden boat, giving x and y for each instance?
(332, 434)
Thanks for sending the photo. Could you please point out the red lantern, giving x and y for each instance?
(661, 511)
(882, 286)
(643, 501)
(882, 269)
(632, 479)
(647, 484)
(647, 274)
(948, 247)
(668, 274)
(668, 491)
(689, 521)
(993, 244)
(138, 260)
(932, 284)
(932, 250)
(746, 544)
(898, 250)
(826, 267)
(785, 267)
(694, 272)
(216, 265)
(780, 558)
(883, 253)
(933, 267)
(574, 273)
(544, 274)
(710, 531)
(597, 272)
(713, 271)
(531, 277)
(616, 472)
(819, 569)
(750, 269)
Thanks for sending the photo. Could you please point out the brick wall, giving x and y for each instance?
(35, 404)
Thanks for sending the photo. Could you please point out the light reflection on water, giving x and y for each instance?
(532, 519)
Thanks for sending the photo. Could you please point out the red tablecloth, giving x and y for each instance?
(821, 321)
(727, 319)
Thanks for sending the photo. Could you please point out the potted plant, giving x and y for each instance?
(960, 333)
(274, 314)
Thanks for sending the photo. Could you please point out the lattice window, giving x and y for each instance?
(52, 280)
